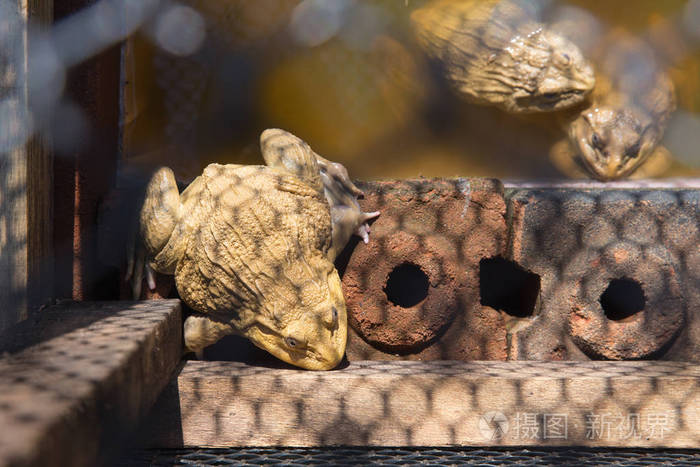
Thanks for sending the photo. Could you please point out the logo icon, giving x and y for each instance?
(493, 425)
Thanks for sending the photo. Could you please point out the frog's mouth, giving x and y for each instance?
(550, 101)
(323, 354)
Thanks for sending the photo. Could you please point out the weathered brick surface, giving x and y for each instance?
(578, 241)
(444, 228)
(575, 238)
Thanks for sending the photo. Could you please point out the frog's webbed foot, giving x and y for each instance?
(363, 229)
(346, 215)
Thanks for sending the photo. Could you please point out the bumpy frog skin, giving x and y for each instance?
(495, 52)
(252, 250)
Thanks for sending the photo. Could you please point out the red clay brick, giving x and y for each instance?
(444, 227)
(580, 242)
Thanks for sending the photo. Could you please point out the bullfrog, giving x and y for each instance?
(616, 132)
(252, 250)
(605, 89)
(496, 52)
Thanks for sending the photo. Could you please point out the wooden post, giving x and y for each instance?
(84, 176)
(25, 173)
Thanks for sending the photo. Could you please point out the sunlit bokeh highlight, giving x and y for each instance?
(202, 78)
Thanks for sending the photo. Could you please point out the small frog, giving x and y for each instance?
(252, 250)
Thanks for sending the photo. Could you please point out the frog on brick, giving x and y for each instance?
(252, 250)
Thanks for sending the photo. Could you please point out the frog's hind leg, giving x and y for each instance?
(160, 213)
(285, 151)
(336, 173)
(282, 150)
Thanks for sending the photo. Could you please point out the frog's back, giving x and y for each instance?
(466, 37)
(499, 53)
(629, 74)
(259, 221)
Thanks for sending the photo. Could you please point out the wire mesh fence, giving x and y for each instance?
(412, 456)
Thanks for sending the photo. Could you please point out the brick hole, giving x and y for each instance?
(407, 285)
(622, 299)
(506, 286)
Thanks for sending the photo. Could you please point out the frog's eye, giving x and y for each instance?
(633, 150)
(562, 59)
(335, 314)
(293, 342)
(597, 141)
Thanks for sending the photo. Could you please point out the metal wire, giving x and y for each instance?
(411, 456)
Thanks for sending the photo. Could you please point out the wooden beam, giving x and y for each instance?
(81, 377)
(439, 403)
(25, 171)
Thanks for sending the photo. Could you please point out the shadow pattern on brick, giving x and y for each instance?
(643, 245)
(434, 232)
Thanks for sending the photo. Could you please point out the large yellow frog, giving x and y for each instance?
(252, 250)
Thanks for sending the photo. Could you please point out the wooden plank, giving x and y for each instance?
(25, 172)
(439, 403)
(39, 192)
(81, 377)
(13, 169)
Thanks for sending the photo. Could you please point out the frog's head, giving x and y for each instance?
(611, 143)
(305, 321)
(564, 76)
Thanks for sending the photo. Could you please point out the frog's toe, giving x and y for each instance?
(137, 267)
(363, 229)
(135, 272)
(150, 277)
(363, 232)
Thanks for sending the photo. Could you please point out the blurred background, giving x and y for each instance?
(95, 91)
(203, 78)
(200, 79)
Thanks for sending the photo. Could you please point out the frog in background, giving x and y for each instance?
(606, 90)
